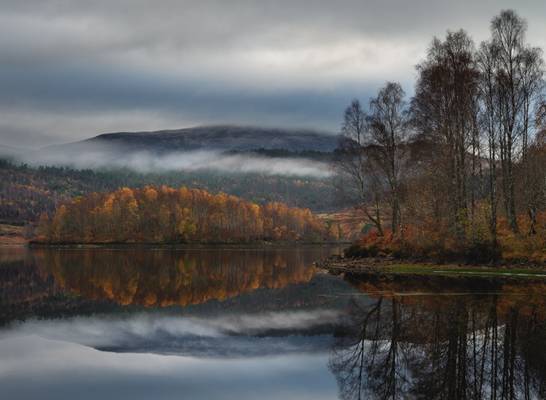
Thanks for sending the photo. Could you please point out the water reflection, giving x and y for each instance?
(58, 280)
(430, 338)
(162, 278)
(27, 290)
(242, 323)
(168, 324)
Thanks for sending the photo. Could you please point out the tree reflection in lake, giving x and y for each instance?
(165, 277)
(62, 282)
(433, 339)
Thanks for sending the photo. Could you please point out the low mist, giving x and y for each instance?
(92, 156)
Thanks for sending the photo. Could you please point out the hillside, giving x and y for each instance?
(257, 164)
(26, 192)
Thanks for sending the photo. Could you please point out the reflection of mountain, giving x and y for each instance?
(160, 278)
(425, 344)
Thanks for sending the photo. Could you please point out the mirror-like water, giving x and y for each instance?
(236, 323)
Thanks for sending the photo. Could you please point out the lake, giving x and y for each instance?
(249, 323)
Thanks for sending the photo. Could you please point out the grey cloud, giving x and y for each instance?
(76, 101)
(287, 63)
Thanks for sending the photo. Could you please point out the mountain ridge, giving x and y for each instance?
(217, 137)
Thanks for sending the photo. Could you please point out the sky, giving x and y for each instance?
(74, 69)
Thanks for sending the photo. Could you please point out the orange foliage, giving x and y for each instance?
(434, 241)
(170, 215)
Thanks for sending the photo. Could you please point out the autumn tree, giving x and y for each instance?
(358, 181)
(163, 214)
(470, 178)
(387, 135)
(489, 117)
(370, 155)
(516, 70)
(535, 171)
(444, 113)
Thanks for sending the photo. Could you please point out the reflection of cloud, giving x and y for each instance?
(33, 367)
(231, 335)
(275, 320)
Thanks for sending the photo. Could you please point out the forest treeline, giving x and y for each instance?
(460, 168)
(26, 191)
(167, 215)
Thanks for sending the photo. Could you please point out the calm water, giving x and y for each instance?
(216, 323)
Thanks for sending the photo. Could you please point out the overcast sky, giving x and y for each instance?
(73, 69)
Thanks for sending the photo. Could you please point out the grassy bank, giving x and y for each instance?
(388, 266)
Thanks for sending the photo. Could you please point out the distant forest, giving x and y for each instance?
(460, 168)
(26, 192)
(167, 215)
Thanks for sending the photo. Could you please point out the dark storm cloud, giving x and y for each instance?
(72, 69)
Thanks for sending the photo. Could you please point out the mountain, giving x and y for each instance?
(223, 149)
(257, 164)
(222, 138)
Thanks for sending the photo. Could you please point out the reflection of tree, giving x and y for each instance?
(26, 290)
(443, 347)
(165, 277)
(369, 358)
(21, 286)
(349, 358)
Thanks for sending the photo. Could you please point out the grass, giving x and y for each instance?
(425, 269)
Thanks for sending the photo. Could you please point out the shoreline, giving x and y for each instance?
(398, 267)
(258, 244)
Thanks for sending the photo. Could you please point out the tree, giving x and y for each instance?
(444, 113)
(370, 154)
(388, 132)
(471, 174)
(358, 179)
(535, 166)
(518, 70)
(490, 124)
(168, 215)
